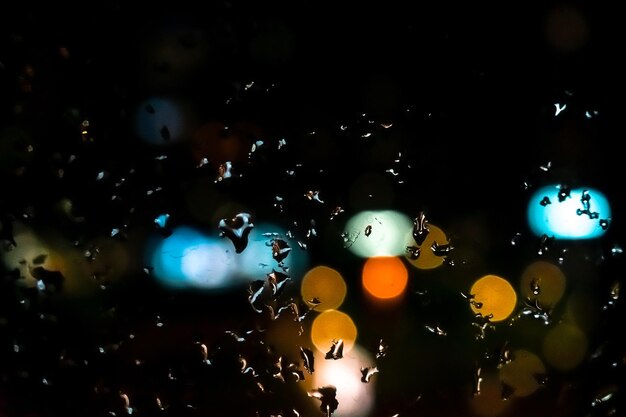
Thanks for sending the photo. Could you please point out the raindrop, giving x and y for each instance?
(367, 373)
(224, 171)
(381, 351)
(237, 230)
(604, 224)
(280, 249)
(313, 196)
(328, 399)
(545, 201)
(441, 250)
(436, 330)
(545, 243)
(616, 250)
(516, 239)
(534, 286)
(413, 252)
(476, 380)
(559, 108)
(336, 350)
(420, 228)
(165, 133)
(336, 212)
(564, 193)
(506, 355)
(507, 391)
(368, 230)
(546, 167)
(308, 359)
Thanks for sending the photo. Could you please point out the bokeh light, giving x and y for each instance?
(356, 398)
(495, 296)
(256, 261)
(565, 346)
(377, 233)
(488, 402)
(523, 372)
(544, 282)
(583, 213)
(427, 258)
(190, 259)
(330, 326)
(160, 121)
(325, 285)
(384, 277)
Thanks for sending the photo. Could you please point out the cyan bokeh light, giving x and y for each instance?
(190, 259)
(159, 121)
(569, 218)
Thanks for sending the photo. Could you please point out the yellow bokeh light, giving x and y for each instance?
(324, 284)
(544, 282)
(564, 346)
(384, 277)
(427, 259)
(330, 326)
(521, 372)
(489, 402)
(495, 296)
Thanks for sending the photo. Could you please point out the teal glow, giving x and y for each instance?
(569, 219)
(189, 259)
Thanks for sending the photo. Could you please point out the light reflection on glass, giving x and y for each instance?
(494, 297)
(323, 287)
(331, 326)
(584, 213)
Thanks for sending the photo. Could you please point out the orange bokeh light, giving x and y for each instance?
(385, 277)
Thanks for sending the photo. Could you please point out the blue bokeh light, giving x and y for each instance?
(190, 259)
(159, 121)
(583, 213)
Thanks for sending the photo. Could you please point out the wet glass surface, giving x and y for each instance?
(308, 209)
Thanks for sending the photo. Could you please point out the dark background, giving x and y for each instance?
(470, 90)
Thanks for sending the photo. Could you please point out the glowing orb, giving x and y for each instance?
(377, 233)
(544, 282)
(355, 397)
(583, 213)
(564, 346)
(384, 277)
(331, 326)
(326, 285)
(189, 259)
(523, 373)
(427, 259)
(493, 296)
(159, 121)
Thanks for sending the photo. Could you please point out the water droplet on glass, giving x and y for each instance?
(308, 359)
(336, 212)
(328, 399)
(545, 201)
(420, 228)
(224, 171)
(546, 167)
(534, 286)
(165, 133)
(336, 350)
(436, 330)
(585, 200)
(413, 252)
(476, 380)
(441, 250)
(545, 243)
(558, 108)
(367, 373)
(280, 249)
(507, 391)
(368, 230)
(564, 193)
(604, 224)
(314, 196)
(237, 230)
